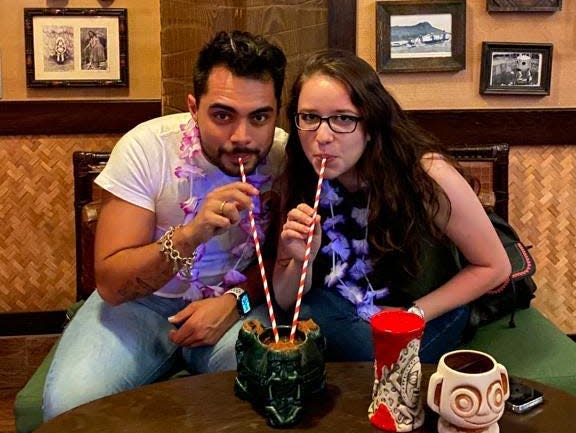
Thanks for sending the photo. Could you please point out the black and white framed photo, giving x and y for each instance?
(421, 35)
(516, 68)
(76, 47)
(523, 5)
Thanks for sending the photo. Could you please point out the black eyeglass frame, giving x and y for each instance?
(328, 120)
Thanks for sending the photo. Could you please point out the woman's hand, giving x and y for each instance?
(290, 256)
(295, 233)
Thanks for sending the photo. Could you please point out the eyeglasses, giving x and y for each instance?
(341, 123)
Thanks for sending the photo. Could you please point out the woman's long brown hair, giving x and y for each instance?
(404, 199)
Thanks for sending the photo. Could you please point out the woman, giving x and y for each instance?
(394, 211)
(95, 52)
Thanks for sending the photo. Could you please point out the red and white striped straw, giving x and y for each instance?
(260, 261)
(307, 251)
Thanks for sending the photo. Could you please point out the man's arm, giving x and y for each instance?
(127, 263)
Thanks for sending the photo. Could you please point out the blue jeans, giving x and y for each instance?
(105, 350)
(349, 338)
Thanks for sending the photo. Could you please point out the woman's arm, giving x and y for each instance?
(465, 222)
(290, 256)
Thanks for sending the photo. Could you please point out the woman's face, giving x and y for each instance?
(325, 96)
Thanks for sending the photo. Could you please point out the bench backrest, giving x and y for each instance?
(488, 164)
(87, 165)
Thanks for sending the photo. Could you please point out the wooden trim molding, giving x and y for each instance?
(517, 127)
(35, 323)
(453, 127)
(75, 117)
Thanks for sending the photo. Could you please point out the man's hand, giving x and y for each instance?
(204, 322)
(220, 210)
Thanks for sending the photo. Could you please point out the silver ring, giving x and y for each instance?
(222, 207)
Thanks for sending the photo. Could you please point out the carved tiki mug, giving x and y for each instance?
(468, 391)
(277, 377)
(396, 404)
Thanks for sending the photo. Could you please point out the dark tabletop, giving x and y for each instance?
(206, 403)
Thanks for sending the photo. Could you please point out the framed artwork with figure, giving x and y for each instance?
(76, 47)
(420, 35)
(523, 5)
(516, 68)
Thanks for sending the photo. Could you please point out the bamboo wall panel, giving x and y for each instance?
(37, 232)
(542, 202)
(37, 253)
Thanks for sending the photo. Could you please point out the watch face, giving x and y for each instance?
(244, 303)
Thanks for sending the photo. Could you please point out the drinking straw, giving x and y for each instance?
(260, 261)
(307, 251)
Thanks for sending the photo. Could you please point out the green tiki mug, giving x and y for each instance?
(277, 377)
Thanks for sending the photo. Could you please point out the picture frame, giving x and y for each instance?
(76, 47)
(516, 68)
(420, 35)
(523, 5)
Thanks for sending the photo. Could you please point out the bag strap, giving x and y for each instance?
(511, 322)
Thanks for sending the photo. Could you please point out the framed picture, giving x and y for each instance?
(420, 35)
(76, 47)
(515, 68)
(523, 5)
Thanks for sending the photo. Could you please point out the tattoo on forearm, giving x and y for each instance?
(135, 289)
(140, 286)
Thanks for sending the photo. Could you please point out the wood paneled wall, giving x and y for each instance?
(298, 27)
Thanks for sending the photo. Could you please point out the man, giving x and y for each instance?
(173, 244)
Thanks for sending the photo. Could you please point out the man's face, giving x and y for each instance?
(236, 117)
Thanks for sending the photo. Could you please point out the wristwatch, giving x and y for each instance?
(416, 310)
(242, 300)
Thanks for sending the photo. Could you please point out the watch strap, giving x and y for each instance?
(415, 309)
(236, 291)
(242, 300)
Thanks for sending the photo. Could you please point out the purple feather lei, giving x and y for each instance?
(190, 150)
(350, 279)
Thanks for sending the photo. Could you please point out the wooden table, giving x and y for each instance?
(206, 403)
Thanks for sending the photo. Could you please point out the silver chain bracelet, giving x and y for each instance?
(179, 264)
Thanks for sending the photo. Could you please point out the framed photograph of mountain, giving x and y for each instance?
(74, 47)
(523, 5)
(420, 35)
(515, 68)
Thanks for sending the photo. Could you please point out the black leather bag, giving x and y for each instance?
(516, 293)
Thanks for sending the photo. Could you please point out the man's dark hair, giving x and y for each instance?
(245, 55)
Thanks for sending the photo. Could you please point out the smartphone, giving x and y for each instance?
(522, 397)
